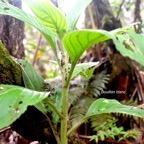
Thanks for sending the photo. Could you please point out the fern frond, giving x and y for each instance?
(130, 102)
(75, 94)
(77, 89)
(98, 83)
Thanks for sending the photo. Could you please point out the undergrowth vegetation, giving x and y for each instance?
(72, 103)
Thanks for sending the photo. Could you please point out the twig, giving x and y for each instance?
(139, 84)
(4, 129)
(37, 48)
(91, 17)
(134, 92)
(119, 10)
(53, 129)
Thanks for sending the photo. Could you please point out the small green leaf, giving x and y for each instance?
(48, 15)
(77, 42)
(87, 73)
(14, 101)
(112, 106)
(31, 78)
(83, 69)
(72, 10)
(8, 9)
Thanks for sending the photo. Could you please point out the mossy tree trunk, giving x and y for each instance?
(10, 71)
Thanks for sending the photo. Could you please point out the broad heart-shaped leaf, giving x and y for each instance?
(8, 9)
(14, 101)
(48, 15)
(77, 42)
(131, 44)
(72, 10)
(112, 106)
(31, 78)
(82, 68)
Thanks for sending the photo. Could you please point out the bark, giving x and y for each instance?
(12, 32)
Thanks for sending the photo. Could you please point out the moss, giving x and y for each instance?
(10, 71)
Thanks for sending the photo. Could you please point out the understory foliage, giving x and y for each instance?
(105, 127)
(77, 100)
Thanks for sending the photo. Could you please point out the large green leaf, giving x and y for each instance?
(14, 101)
(103, 105)
(8, 9)
(77, 42)
(48, 15)
(72, 10)
(113, 106)
(31, 78)
(131, 44)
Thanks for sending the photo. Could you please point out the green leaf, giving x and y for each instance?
(14, 101)
(8, 9)
(48, 15)
(77, 42)
(87, 73)
(31, 78)
(131, 44)
(83, 69)
(72, 10)
(112, 106)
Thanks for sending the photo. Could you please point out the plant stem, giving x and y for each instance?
(53, 129)
(70, 73)
(37, 48)
(64, 138)
(55, 109)
(65, 90)
(76, 126)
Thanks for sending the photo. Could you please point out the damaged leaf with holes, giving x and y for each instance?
(14, 101)
(130, 44)
(102, 105)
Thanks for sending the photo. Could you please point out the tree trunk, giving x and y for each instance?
(12, 32)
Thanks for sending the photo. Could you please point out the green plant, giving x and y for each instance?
(52, 24)
(105, 127)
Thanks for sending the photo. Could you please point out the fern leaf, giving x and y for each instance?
(98, 83)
